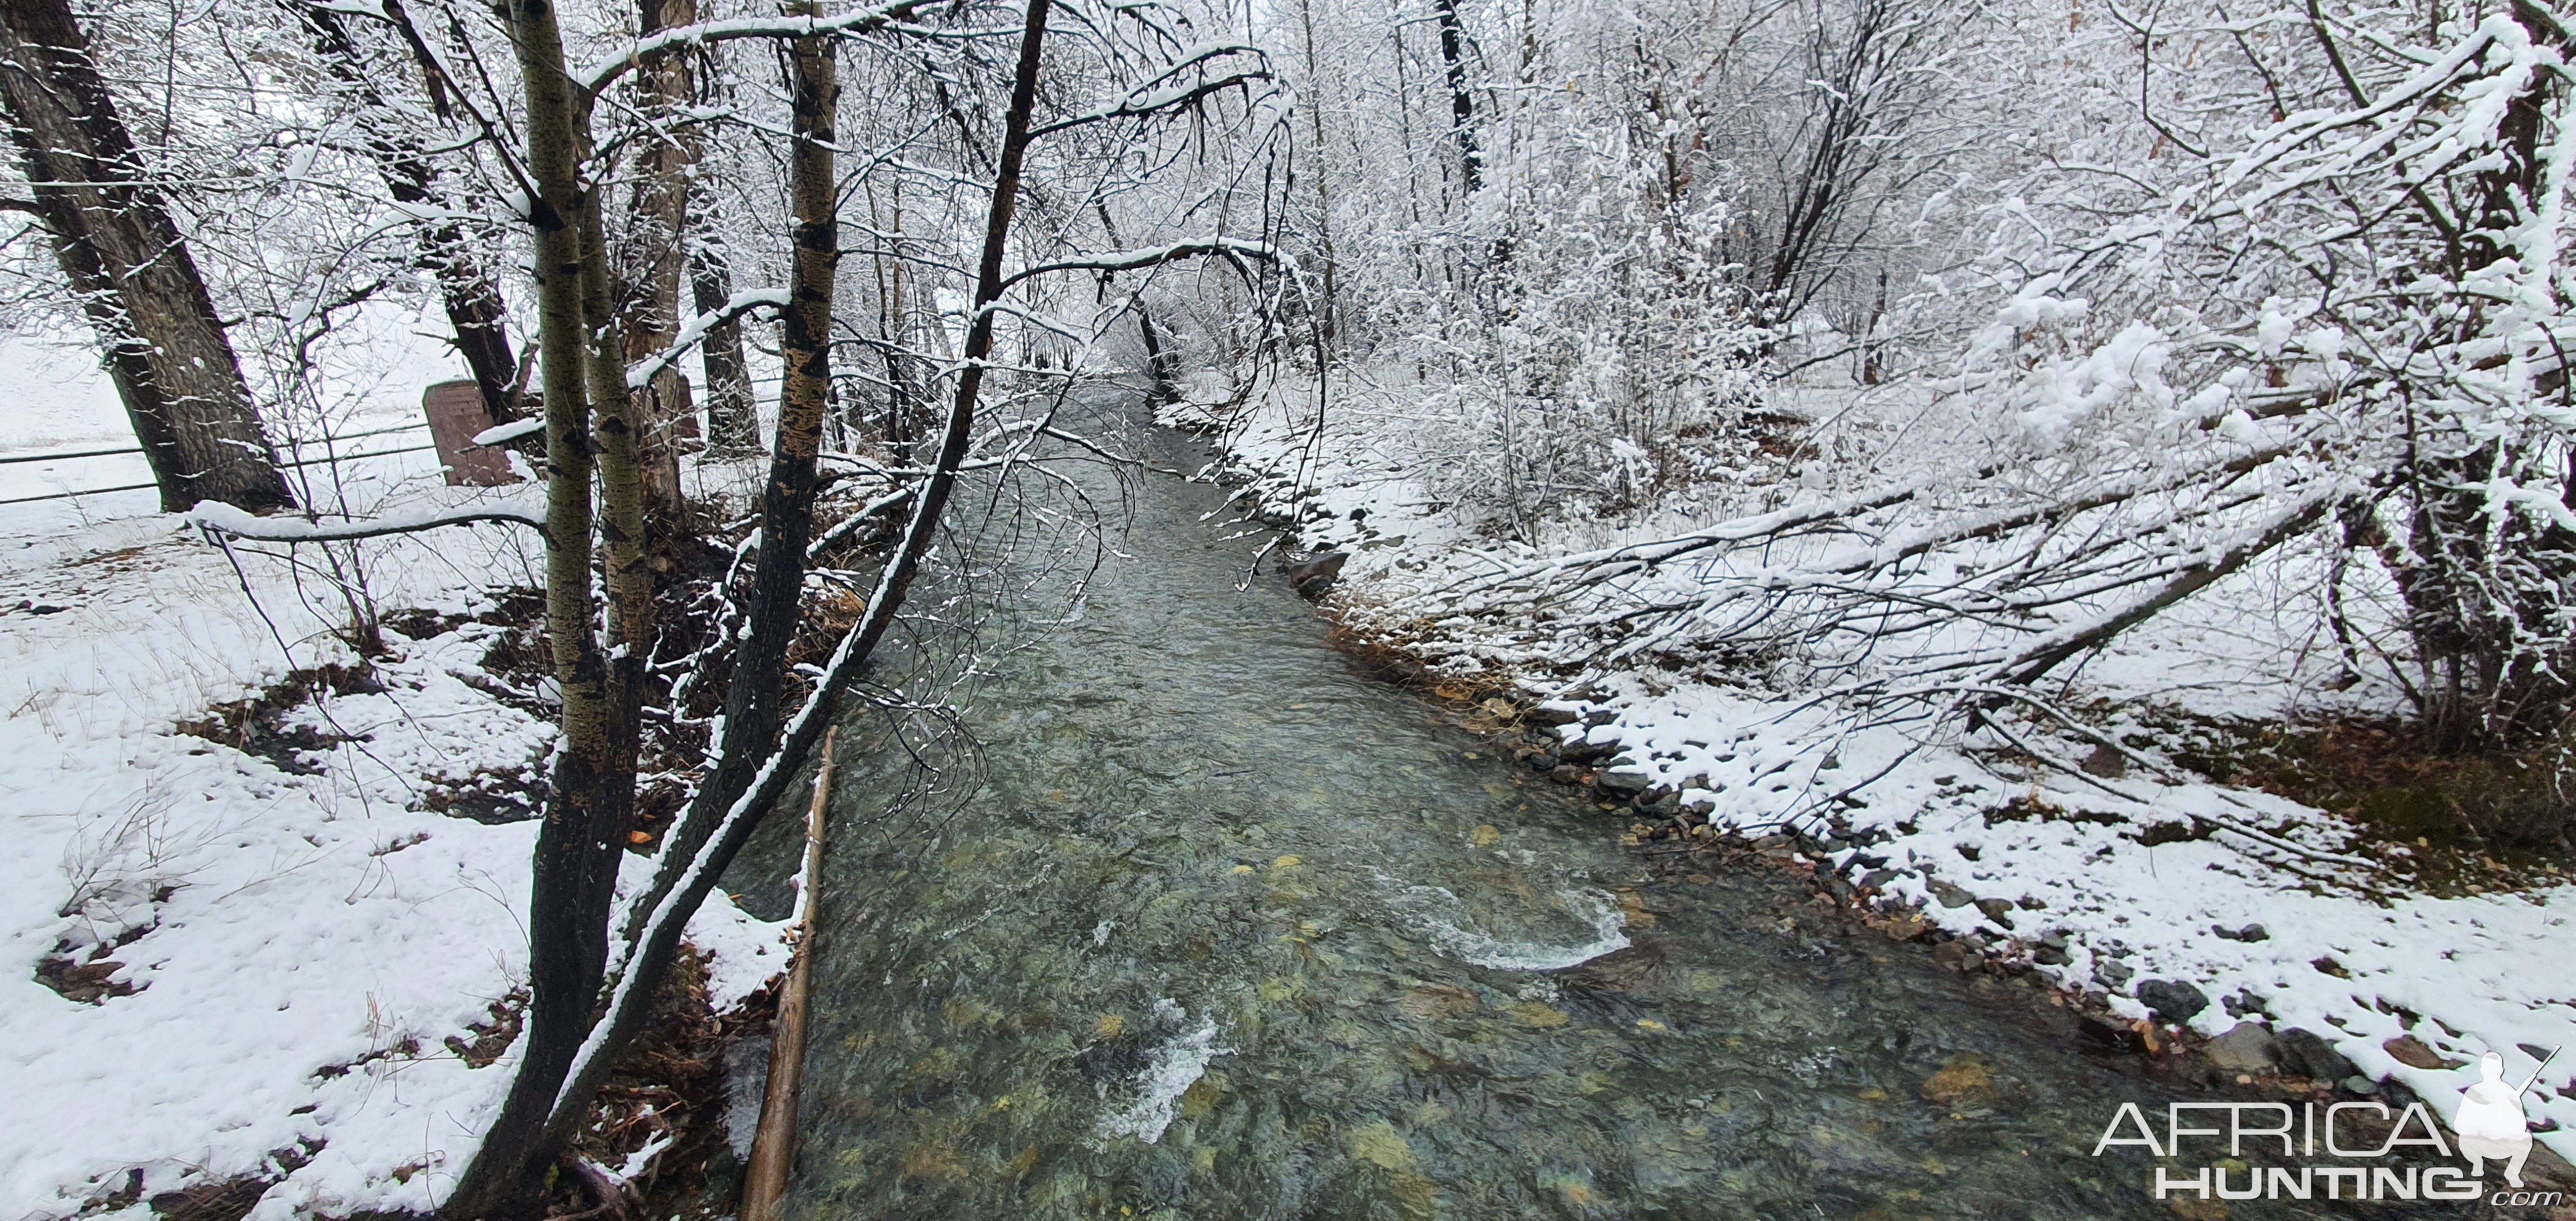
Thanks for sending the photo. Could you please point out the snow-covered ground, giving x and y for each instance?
(277, 959)
(2055, 858)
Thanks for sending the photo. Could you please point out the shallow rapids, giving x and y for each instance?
(1227, 929)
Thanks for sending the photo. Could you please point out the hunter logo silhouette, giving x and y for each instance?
(2490, 1122)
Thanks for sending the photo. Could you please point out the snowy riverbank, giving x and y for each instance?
(2114, 879)
(250, 955)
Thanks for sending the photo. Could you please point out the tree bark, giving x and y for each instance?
(476, 313)
(787, 502)
(165, 349)
(657, 251)
(1462, 103)
(567, 949)
(733, 420)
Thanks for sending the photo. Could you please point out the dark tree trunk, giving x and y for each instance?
(476, 313)
(804, 394)
(1462, 103)
(1157, 365)
(733, 423)
(165, 349)
(2478, 596)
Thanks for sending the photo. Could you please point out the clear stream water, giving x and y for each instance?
(1227, 929)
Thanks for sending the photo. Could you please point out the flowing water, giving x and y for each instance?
(1228, 929)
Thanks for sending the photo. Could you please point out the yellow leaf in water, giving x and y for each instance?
(1649, 1024)
(1243, 869)
(1484, 837)
(1002, 1104)
(1578, 1195)
(1285, 861)
(1109, 1027)
(1379, 1144)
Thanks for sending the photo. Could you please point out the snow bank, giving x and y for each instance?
(2340, 955)
(290, 942)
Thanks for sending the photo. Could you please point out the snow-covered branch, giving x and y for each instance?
(694, 331)
(600, 74)
(523, 510)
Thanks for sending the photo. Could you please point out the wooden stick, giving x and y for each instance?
(773, 1144)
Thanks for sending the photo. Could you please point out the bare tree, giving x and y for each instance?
(478, 317)
(593, 972)
(165, 347)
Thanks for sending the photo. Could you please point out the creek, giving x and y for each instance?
(1212, 924)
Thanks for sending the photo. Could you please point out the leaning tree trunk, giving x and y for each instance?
(672, 896)
(476, 314)
(805, 354)
(165, 349)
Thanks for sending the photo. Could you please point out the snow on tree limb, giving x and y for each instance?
(692, 332)
(523, 510)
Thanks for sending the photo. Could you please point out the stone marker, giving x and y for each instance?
(455, 411)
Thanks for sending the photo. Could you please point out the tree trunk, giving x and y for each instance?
(739, 804)
(165, 349)
(567, 950)
(1157, 364)
(1328, 316)
(2481, 589)
(657, 252)
(1462, 104)
(805, 354)
(475, 311)
(733, 419)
